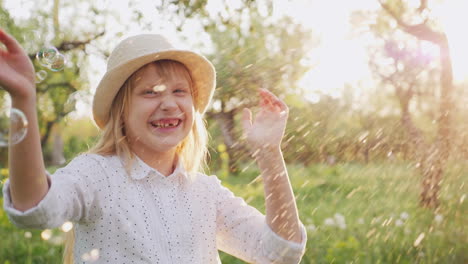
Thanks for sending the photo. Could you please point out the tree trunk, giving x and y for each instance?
(57, 149)
(47, 133)
(226, 123)
(435, 157)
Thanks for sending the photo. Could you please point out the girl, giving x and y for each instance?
(138, 195)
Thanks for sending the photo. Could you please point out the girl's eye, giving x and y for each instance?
(150, 92)
(179, 91)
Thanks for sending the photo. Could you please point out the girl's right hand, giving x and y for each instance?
(17, 73)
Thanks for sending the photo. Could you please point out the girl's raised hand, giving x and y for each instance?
(16, 69)
(266, 130)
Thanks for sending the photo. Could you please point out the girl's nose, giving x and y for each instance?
(168, 103)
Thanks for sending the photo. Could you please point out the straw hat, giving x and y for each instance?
(134, 52)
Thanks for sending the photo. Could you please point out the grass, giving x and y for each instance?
(354, 213)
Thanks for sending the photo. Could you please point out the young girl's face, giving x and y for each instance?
(161, 110)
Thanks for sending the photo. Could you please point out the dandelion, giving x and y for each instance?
(438, 218)
(311, 227)
(398, 222)
(340, 221)
(27, 234)
(404, 215)
(329, 222)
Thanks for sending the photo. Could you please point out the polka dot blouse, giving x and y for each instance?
(146, 217)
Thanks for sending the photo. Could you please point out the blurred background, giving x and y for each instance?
(377, 140)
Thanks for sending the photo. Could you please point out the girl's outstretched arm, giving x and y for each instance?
(28, 182)
(264, 135)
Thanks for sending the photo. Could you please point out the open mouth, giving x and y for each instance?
(166, 123)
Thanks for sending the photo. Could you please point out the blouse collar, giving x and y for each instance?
(141, 170)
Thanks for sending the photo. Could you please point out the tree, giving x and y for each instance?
(53, 94)
(410, 74)
(250, 50)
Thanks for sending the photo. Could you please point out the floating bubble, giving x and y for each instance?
(70, 104)
(46, 56)
(58, 63)
(40, 76)
(13, 127)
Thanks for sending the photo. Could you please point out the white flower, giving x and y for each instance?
(329, 222)
(311, 227)
(404, 215)
(342, 225)
(27, 234)
(438, 218)
(340, 221)
(398, 222)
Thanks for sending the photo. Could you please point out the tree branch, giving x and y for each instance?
(70, 45)
(420, 31)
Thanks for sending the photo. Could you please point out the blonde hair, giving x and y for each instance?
(112, 141)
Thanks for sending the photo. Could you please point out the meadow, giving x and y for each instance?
(353, 213)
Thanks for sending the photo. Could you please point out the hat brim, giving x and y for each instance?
(201, 70)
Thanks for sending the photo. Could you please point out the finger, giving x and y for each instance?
(266, 102)
(270, 97)
(273, 106)
(268, 94)
(246, 119)
(10, 42)
(282, 105)
(274, 100)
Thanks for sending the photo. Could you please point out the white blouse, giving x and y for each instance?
(150, 218)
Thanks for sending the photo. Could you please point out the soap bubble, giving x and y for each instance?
(58, 63)
(51, 58)
(40, 76)
(70, 104)
(46, 56)
(14, 122)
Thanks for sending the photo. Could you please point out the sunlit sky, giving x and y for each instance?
(339, 59)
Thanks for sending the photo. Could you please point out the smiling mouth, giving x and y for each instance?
(171, 124)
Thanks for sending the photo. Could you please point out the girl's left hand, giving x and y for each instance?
(267, 128)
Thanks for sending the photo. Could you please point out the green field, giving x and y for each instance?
(354, 213)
